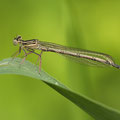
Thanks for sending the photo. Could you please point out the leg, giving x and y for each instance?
(25, 55)
(39, 59)
(16, 53)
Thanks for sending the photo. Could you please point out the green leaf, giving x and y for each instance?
(95, 109)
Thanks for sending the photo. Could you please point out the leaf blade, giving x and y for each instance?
(95, 109)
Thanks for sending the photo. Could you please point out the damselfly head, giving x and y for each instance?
(17, 40)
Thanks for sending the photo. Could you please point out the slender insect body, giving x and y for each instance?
(43, 48)
(85, 55)
(81, 54)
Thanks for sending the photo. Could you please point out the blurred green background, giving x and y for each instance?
(92, 25)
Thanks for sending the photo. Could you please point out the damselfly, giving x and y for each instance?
(85, 56)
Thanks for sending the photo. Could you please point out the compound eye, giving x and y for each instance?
(15, 42)
(18, 38)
